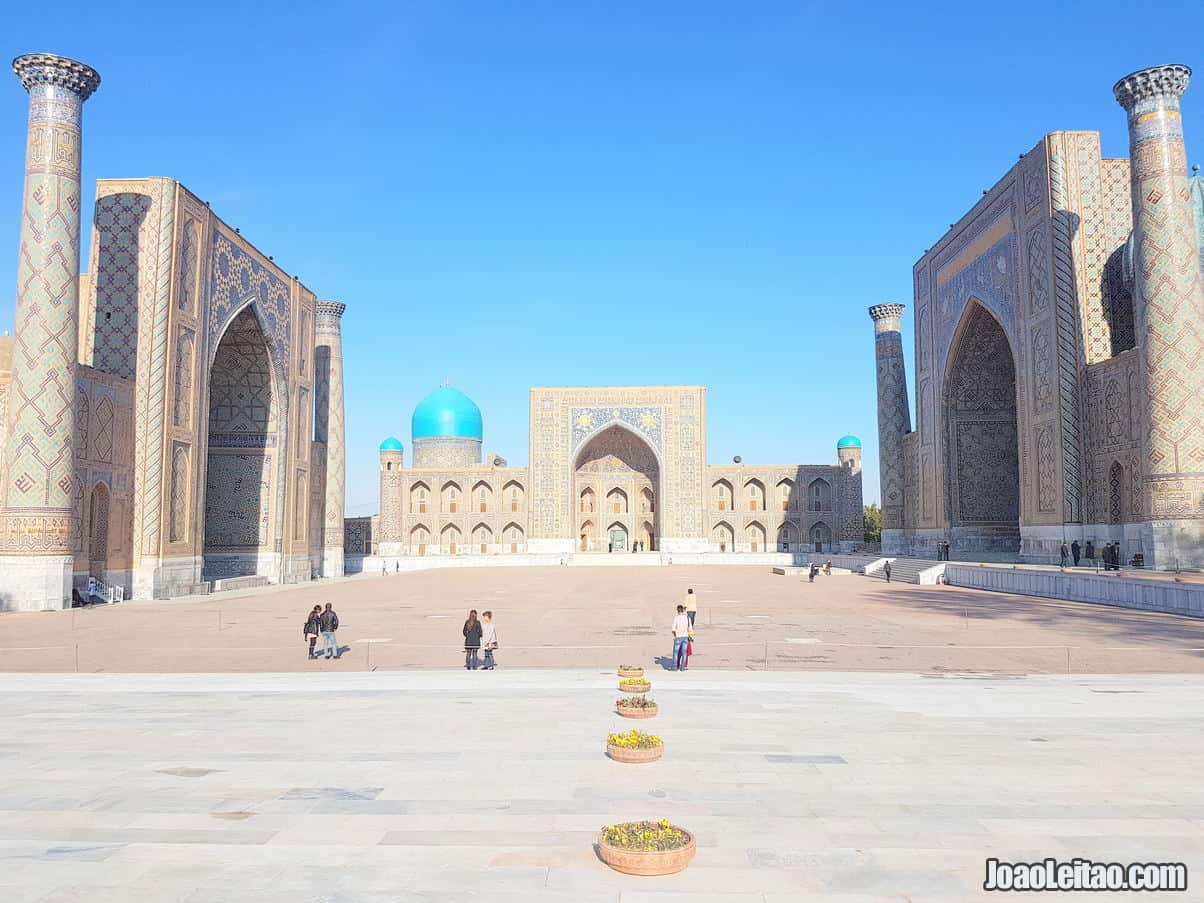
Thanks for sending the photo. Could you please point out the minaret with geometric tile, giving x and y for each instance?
(894, 417)
(328, 428)
(37, 531)
(1168, 315)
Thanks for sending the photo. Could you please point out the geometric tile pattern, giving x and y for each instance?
(894, 414)
(39, 494)
(1170, 296)
(328, 338)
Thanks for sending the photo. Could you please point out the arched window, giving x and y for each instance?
(616, 501)
(754, 535)
(646, 503)
(723, 495)
(786, 494)
(420, 537)
(483, 493)
(514, 538)
(587, 501)
(819, 495)
(420, 495)
(450, 497)
(755, 490)
(513, 493)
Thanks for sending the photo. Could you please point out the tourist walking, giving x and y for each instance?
(488, 639)
(472, 641)
(1089, 552)
(828, 568)
(1065, 555)
(691, 605)
(1075, 550)
(312, 628)
(814, 569)
(681, 638)
(886, 571)
(328, 623)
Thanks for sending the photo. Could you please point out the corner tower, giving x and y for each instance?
(894, 418)
(37, 533)
(852, 503)
(392, 459)
(1168, 316)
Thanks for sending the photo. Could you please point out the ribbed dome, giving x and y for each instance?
(391, 444)
(849, 442)
(446, 412)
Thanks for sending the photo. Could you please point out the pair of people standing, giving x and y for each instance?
(324, 623)
(479, 634)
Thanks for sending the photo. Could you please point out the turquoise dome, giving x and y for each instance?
(390, 444)
(446, 412)
(849, 442)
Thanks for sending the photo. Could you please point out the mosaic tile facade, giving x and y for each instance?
(612, 468)
(1089, 270)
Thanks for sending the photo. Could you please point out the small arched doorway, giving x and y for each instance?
(723, 537)
(821, 537)
(616, 535)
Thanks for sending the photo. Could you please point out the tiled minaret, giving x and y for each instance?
(1168, 315)
(894, 418)
(328, 428)
(37, 535)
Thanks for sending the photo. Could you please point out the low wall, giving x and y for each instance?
(1123, 592)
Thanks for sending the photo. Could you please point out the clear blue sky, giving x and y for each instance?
(551, 193)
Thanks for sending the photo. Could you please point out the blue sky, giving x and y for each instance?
(551, 193)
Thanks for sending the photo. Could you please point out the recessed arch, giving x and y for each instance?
(754, 491)
(723, 538)
(482, 538)
(514, 538)
(786, 499)
(420, 538)
(246, 417)
(721, 492)
(754, 536)
(420, 498)
(819, 495)
(787, 537)
(449, 497)
(619, 471)
(450, 539)
(981, 437)
(98, 529)
(820, 536)
(482, 496)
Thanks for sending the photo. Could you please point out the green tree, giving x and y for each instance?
(873, 523)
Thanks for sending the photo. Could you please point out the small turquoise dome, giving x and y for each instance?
(849, 442)
(446, 412)
(390, 444)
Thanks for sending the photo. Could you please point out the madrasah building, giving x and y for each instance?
(612, 470)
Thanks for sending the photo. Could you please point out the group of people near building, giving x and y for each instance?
(1109, 555)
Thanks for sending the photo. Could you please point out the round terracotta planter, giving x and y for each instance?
(623, 754)
(628, 712)
(650, 862)
(631, 672)
(644, 688)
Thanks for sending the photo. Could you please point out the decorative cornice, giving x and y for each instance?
(1158, 81)
(881, 312)
(328, 314)
(48, 69)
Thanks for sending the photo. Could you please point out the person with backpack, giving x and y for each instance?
(472, 640)
(312, 628)
(328, 623)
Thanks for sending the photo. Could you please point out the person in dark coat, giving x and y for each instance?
(1074, 552)
(1065, 555)
(886, 571)
(1089, 552)
(472, 641)
(328, 623)
(312, 628)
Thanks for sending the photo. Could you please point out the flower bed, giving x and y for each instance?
(636, 707)
(630, 671)
(635, 685)
(646, 847)
(634, 746)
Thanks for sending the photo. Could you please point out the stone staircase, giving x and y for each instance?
(908, 570)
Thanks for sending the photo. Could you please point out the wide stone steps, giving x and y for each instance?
(904, 570)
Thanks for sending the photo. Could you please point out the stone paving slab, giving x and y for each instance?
(448, 786)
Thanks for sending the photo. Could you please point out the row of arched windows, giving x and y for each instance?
(481, 540)
(818, 495)
(616, 502)
(724, 537)
(453, 501)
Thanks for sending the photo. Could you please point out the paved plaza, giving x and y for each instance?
(559, 617)
(440, 786)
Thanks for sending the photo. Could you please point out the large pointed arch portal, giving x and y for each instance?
(618, 468)
(981, 440)
(240, 472)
